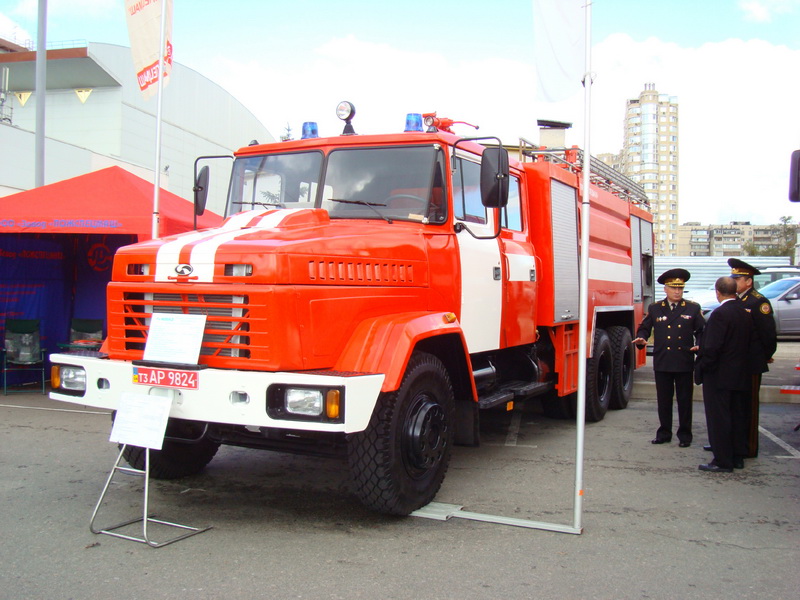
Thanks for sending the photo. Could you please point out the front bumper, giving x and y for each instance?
(219, 394)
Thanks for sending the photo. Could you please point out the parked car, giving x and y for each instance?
(708, 298)
(784, 295)
(770, 274)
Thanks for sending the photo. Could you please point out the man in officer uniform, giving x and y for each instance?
(723, 367)
(676, 324)
(765, 340)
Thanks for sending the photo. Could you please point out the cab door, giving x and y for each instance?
(520, 281)
(481, 269)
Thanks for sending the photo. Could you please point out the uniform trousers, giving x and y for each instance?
(752, 406)
(681, 386)
(727, 421)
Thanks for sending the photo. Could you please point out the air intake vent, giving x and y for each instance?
(362, 272)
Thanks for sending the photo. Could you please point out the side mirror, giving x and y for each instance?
(794, 177)
(494, 177)
(201, 191)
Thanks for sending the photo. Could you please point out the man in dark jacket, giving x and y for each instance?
(765, 342)
(676, 325)
(723, 369)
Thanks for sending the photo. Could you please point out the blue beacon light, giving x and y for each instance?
(309, 130)
(413, 122)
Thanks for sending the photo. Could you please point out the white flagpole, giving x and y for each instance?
(583, 313)
(157, 179)
(41, 93)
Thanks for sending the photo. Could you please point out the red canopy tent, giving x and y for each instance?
(111, 201)
(57, 243)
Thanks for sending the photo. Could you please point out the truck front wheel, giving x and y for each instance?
(176, 459)
(399, 461)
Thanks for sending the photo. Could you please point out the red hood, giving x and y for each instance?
(302, 246)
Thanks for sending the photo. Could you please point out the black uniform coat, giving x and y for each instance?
(765, 338)
(675, 332)
(724, 357)
(723, 366)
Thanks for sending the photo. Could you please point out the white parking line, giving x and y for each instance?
(513, 428)
(85, 412)
(794, 453)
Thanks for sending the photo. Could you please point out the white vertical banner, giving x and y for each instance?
(559, 47)
(144, 31)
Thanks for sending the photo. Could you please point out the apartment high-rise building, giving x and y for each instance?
(650, 158)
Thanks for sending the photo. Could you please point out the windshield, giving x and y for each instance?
(389, 183)
(274, 180)
(776, 288)
(404, 183)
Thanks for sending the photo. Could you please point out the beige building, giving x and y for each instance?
(650, 158)
(737, 238)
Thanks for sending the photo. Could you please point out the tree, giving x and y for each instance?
(786, 234)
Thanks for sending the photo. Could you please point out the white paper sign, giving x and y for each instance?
(175, 338)
(141, 420)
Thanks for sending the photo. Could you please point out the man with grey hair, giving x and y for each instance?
(724, 370)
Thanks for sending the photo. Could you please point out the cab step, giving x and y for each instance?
(513, 390)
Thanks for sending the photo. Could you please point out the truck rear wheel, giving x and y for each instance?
(175, 459)
(399, 461)
(624, 363)
(599, 377)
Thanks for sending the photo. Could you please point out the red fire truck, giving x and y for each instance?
(369, 295)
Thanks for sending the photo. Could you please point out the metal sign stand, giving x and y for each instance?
(440, 511)
(145, 519)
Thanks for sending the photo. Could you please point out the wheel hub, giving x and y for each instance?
(425, 432)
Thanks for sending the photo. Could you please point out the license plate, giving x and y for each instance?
(173, 378)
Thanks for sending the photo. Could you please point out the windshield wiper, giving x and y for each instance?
(254, 203)
(372, 205)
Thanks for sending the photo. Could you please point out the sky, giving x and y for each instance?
(733, 65)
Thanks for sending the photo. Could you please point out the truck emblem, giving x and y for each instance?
(184, 270)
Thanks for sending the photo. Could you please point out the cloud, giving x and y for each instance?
(29, 9)
(12, 32)
(763, 11)
(737, 103)
(383, 82)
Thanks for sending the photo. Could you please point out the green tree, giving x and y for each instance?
(787, 236)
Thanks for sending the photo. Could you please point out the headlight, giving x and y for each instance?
(306, 403)
(69, 378)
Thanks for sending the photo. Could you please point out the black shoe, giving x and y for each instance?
(707, 447)
(712, 468)
(738, 463)
(685, 444)
(658, 441)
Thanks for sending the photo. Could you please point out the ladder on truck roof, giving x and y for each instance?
(602, 175)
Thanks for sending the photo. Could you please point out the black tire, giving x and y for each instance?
(399, 461)
(624, 364)
(175, 459)
(599, 375)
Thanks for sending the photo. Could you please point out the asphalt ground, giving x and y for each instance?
(284, 526)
